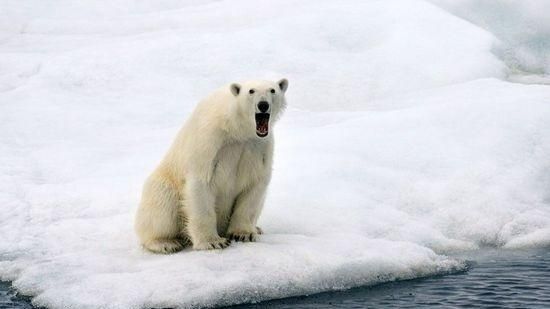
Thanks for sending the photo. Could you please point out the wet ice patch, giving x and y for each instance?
(523, 30)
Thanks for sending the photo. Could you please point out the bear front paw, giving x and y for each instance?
(219, 243)
(243, 236)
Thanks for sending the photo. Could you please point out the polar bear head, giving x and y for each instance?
(259, 104)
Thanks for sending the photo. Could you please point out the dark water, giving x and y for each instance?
(9, 298)
(496, 279)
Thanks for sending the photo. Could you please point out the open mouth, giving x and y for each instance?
(262, 124)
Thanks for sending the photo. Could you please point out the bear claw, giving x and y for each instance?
(165, 246)
(220, 243)
(243, 237)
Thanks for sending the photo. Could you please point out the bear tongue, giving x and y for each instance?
(262, 126)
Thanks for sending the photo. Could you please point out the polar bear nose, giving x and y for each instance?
(263, 106)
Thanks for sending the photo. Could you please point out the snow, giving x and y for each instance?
(407, 138)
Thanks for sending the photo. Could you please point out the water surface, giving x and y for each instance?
(495, 279)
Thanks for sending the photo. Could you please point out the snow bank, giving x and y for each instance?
(402, 144)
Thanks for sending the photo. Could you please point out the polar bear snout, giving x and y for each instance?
(263, 106)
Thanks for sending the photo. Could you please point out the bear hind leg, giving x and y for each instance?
(158, 222)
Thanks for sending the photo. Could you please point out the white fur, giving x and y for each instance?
(210, 186)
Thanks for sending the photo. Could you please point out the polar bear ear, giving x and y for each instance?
(283, 84)
(235, 89)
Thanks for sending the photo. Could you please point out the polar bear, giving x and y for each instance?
(209, 189)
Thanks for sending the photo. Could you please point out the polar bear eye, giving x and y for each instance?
(272, 90)
(251, 91)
